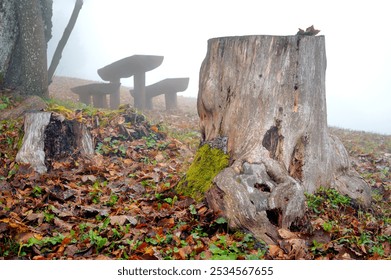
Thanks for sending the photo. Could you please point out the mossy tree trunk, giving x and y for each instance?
(266, 96)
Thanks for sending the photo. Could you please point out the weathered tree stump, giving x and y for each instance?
(50, 137)
(266, 96)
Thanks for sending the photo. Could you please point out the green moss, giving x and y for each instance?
(208, 162)
(60, 109)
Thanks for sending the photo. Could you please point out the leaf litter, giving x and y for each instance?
(120, 203)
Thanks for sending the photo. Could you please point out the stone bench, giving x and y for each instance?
(97, 92)
(137, 66)
(169, 87)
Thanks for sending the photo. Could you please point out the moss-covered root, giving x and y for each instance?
(208, 162)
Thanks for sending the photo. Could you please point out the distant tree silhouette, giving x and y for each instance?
(64, 39)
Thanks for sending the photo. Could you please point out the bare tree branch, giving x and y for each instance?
(64, 39)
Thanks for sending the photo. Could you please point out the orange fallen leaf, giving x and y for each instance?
(183, 252)
(286, 234)
(274, 250)
(149, 251)
(154, 128)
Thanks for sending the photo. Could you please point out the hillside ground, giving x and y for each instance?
(121, 203)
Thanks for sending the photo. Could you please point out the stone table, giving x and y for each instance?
(137, 66)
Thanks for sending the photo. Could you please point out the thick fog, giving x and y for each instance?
(358, 77)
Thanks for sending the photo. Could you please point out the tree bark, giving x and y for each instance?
(266, 94)
(26, 28)
(50, 137)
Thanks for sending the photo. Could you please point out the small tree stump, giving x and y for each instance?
(50, 137)
(32, 150)
(266, 96)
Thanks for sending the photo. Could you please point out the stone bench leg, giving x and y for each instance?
(139, 90)
(171, 101)
(100, 101)
(85, 98)
(148, 103)
(115, 97)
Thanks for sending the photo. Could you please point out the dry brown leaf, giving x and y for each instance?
(16, 225)
(286, 234)
(64, 225)
(128, 161)
(299, 249)
(71, 250)
(318, 223)
(167, 222)
(149, 251)
(184, 251)
(35, 216)
(86, 178)
(120, 220)
(25, 236)
(387, 231)
(274, 250)
(159, 157)
(102, 257)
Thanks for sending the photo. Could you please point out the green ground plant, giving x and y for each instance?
(122, 203)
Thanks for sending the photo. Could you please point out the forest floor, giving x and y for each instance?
(120, 203)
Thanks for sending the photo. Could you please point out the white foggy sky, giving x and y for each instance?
(358, 44)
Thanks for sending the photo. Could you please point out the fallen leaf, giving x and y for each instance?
(299, 249)
(25, 236)
(387, 231)
(149, 251)
(86, 178)
(35, 216)
(167, 222)
(184, 251)
(122, 219)
(71, 250)
(61, 224)
(274, 250)
(102, 257)
(286, 234)
(318, 223)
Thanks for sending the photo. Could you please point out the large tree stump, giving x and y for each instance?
(266, 94)
(49, 137)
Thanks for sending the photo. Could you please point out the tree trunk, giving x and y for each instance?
(24, 35)
(64, 39)
(50, 137)
(266, 96)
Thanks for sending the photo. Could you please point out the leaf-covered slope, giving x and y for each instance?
(121, 204)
